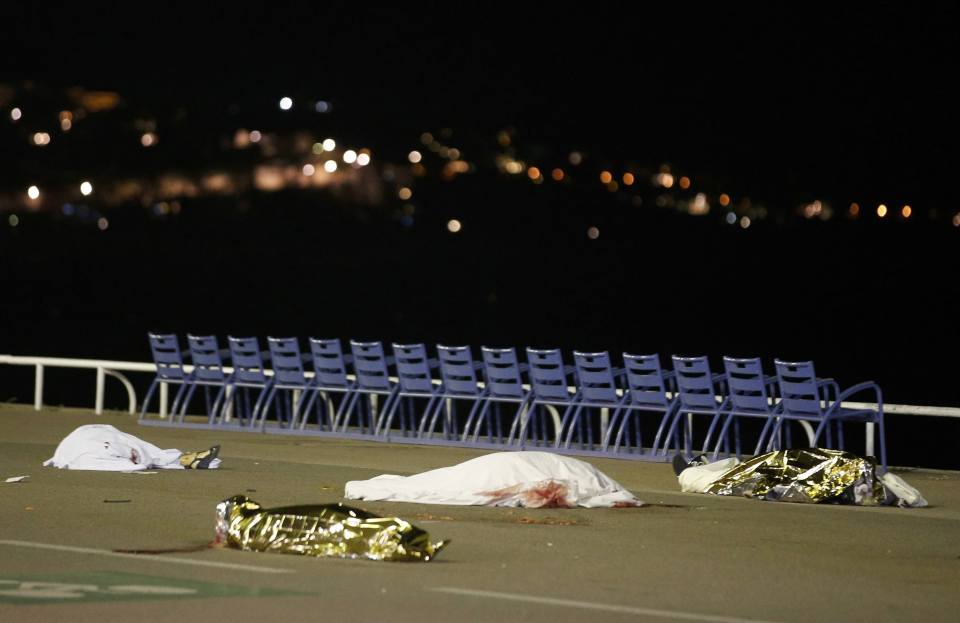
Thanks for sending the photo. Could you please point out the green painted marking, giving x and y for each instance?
(111, 586)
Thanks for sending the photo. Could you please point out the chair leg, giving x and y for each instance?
(146, 399)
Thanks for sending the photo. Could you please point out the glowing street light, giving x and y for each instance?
(349, 156)
(86, 188)
(33, 192)
(286, 103)
(329, 144)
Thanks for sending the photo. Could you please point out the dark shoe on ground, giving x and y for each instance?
(200, 460)
(679, 463)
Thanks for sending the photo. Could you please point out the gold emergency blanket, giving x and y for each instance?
(809, 475)
(321, 530)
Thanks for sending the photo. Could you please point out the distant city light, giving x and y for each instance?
(575, 158)
(503, 138)
(453, 225)
(66, 120)
(349, 156)
(103, 223)
(86, 188)
(813, 209)
(414, 156)
(426, 138)
(724, 199)
(557, 175)
(854, 209)
(881, 210)
(309, 169)
(514, 167)
(41, 138)
(612, 186)
(405, 193)
(700, 206)
(628, 179)
(148, 139)
(15, 115)
(317, 148)
(744, 222)
(329, 144)
(286, 103)
(33, 192)
(255, 136)
(606, 177)
(956, 219)
(453, 153)
(906, 211)
(322, 106)
(363, 159)
(684, 182)
(731, 218)
(14, 220)
(330, 166)
(593, 233)
(533, 173)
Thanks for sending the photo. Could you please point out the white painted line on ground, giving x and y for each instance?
(142, 557)
(589, 605)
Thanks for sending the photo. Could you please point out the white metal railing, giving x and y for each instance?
(106, 368)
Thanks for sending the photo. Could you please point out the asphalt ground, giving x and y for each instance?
(682, 557)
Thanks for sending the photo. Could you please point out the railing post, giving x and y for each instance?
(38, 388)
(869, 445)
(98, 402)
(164, 397)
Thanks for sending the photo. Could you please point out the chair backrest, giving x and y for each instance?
(328, 363)
(547, 375)
(370, 365)
(595, 376)
(286, 361)
(413, 367)
(799, 394)
(246, 359)
(457, 370)
(695, 382)
(746, 385)
(167, 356)
(645, 380)
(502, 372)
(205, 355)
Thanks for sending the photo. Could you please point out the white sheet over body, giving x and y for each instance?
(531, 479)
(102, 447)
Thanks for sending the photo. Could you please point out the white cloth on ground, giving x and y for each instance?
(102, 447)
(531, 479)
(698, 478)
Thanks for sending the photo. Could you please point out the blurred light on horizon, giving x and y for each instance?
(684, 182)
(86, 188)
(286, 103)
(66, 120)
(606, 177)
(33, 192)
(724, 199)
(322, 106)
(454, 226)
(813, 209)
(575, 158)
(533, 173)
(744, 222)
(956, 219)
(255, 136)
(593, 233)
(363, 159)
(557, 175)
(330, 166)
(881, 210)
(405, 193)
(665, 179)
(731, 218)
(414, 156)
(14, 220)
(309, 169)
(329, 144)
(16, 114)
(503, 138)
(906, 211)
(426, 138)
(628, 179)
(854, 209)
(41, 138)
(349, 156)
(103, 223)
(148, 139)
(700, 205)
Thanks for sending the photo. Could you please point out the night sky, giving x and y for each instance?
(809, 98)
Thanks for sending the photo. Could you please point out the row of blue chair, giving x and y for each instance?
(590, 406)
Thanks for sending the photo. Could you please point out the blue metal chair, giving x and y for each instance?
(289, 378)
(550, 382)
(370, 366)
(248, 374)
(169, 362)
(330, 377)
(807, 398)
(646, 391)
(458, 372)
(698, 391)
(752, 394)
(503, 384)
(205, 354)
(597, 386)
(414, 384)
